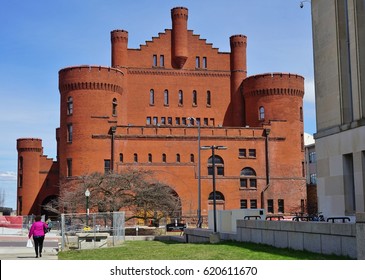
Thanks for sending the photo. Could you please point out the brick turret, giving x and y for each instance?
(119, 41)
(29, 155)
(91, 100)
(238, 74)
(179, 44)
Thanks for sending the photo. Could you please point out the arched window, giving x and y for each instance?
(208, 98)
(115, 104)
(152, 97)
(181, 97)
(192, 158)
(219, 166)
(261, 113)
(195, 98)
(70, 106)
(135, 157)
(166, 97)
(218, 196)
(149, 157)
(121, 157)
(163, 157)
(178, 158)
(248, 178)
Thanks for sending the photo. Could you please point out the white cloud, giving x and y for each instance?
(309, 91)
(7, 176)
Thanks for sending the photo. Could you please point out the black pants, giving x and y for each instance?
(38, 244)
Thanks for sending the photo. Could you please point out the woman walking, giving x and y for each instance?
(38, 231)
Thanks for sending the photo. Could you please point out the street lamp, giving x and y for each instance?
(87, 194)
(199, 224)
(301, 5)
(214, 147)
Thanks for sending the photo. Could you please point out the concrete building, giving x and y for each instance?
(311, 173)
(148, 111)
(339, 59)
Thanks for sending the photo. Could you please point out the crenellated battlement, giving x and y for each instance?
(87, 77)
(238, 40)
(274, 84)
(29, 144)
(119, 35)
(276, 75)
(179, 13)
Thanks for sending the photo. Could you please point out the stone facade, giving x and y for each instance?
(339, 59)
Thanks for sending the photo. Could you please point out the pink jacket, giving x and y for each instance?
(37, 229)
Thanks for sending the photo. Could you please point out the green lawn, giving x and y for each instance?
(157, 250)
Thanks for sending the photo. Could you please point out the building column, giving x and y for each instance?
(360, 235)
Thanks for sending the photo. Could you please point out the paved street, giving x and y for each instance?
(13, 247)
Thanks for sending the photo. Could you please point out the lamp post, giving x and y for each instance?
(213, 148)
(199, 212)
(87, 194)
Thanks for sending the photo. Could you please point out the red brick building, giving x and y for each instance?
(143, 111)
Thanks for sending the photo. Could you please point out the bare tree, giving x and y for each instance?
(133, 190)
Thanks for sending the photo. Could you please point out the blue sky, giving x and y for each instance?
(38, 38)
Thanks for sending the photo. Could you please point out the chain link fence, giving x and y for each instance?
(94, 230)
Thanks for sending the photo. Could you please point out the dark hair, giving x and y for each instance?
(37, 218)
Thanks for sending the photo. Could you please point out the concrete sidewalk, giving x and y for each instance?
(13, 247)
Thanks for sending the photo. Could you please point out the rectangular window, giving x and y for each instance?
(184, 121)
(154, 63)
(243, 203)
(135, 157)
(169, 120)
(312, 157)
(243, 183)
(177, 121)
(107, 165)
(210, 170)
(313, 178)
(20, 181)
(253, 183)
(220, 170)
(121, 158)
(69, 167)
(148, 121)
(163, 120)
(252, 153)
(281, 205)
(270, 206)
(349, 183)
(162, 60)
(212, 122)
(242, 153)
(253, 204)
(206, 121)
(69, 133)
(155, 120)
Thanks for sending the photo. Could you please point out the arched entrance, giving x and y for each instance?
(220, 201)
(47, 205)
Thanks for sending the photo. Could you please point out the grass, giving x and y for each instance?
(157, 250)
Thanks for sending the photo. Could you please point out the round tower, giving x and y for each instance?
(29, 153)
(273, 96)
(179, 41)
(119, 42)
(238, 45)
(91, 99)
